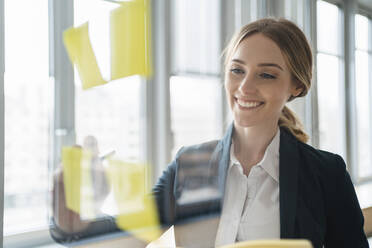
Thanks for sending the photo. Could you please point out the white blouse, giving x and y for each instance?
(251, 204)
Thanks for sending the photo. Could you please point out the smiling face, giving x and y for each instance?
(258, 82)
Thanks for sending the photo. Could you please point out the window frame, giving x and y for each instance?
(159, 137)
(348, 46)
(230, 18)
(340, 54)
(31, 238)
(367, 13)
(61, 116)
(348, 11)
(2, 113)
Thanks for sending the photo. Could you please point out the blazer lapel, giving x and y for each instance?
(288, 182)
(224, 159)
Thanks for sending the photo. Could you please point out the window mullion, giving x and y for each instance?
(341, 55)
(369, 54)
(311, 105)
(350, 90)
(62, 120)
(228, 27)
(2, 113)
(157, 90)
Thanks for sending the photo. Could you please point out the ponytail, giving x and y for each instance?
(289, 120)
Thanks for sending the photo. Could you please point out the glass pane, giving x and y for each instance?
(108, 121)
(195, 110)
(110, 112)
(328, 27)
(361, 32)
(331, 135)
(27, 102)
(196, 32)
(97, 13)
(363, 114)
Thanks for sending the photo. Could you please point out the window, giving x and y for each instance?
(110, 112)
(363, 82)
(195, 87)
(195, 108)
(329, 79)
(196, 25)
(27, 103)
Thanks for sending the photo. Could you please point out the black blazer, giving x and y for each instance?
(317, 198)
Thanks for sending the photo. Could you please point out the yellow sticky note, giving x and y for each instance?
(137, 211)
(81, 54)
(77, 179)
(130, 35)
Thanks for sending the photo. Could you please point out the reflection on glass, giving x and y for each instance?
(136, 209)
(108, 119)
(111, 112)
(87, 185)
(201, 97)
(327, 27)
(195, 26)
(27, 102)
(330, 104)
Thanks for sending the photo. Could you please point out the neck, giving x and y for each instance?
(250, 143)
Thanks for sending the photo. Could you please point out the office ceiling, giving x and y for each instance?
(367, 3)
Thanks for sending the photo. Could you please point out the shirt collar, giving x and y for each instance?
(270, 160)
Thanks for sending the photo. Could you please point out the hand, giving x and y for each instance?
(66, 219)
(99, 179)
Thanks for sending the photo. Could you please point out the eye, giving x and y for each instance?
(237, 71)
(267, 76)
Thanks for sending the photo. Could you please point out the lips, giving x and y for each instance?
(249, 104)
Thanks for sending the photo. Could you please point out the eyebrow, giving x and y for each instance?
(261, 64)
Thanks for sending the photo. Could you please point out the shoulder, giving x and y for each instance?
(325, 162)
(197, 155)
(319, 155)
(193, 154)
(312, 159)
(202, 148)
(337, 197)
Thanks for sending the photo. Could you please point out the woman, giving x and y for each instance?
(264, 179)
(273, 185)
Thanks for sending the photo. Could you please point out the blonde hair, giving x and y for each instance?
(297, 55)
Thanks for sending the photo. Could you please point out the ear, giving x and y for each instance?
(296, 89)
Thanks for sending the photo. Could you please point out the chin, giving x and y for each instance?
(245, 123)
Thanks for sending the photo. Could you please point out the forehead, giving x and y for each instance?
(259, 49)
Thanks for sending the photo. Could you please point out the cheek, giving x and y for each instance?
(229, 91)
(229, 87)
(232, 82)
(276, 95)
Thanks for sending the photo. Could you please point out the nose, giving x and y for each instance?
(248, 84)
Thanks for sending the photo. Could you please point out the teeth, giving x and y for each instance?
(248, 104)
